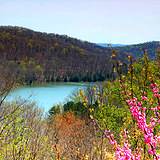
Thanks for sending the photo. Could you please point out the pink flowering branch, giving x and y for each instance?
(121, 153)
(124, 152)
(139, 114)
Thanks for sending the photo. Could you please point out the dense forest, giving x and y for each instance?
(41, 57)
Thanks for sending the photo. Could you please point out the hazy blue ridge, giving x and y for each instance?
(106, 45)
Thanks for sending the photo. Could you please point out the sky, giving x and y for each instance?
(99, 21)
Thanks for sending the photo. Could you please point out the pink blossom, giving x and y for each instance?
(151, 152)
(153, 85)
(144, 98)
(139, 114)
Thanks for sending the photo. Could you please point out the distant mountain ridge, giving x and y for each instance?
(110, 45)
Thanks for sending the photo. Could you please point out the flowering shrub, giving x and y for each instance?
(151, 139)
(122, 153)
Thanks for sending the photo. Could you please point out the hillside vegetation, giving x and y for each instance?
(43, 57)
(137, 50)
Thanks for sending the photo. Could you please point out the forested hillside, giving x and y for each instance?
(42, 57)
(137, 50)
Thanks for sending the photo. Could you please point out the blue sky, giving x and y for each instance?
(100, 21)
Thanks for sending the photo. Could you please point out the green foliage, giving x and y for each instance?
(57, 109)
(112, 118)
(78, 108)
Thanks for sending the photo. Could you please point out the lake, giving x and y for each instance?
(47, 95)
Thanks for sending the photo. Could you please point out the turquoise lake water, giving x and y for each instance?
(47, 95)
